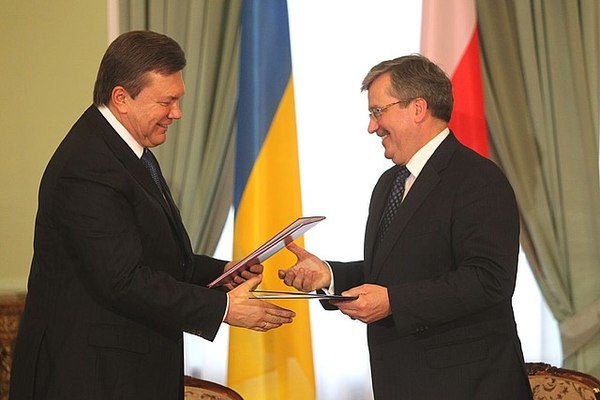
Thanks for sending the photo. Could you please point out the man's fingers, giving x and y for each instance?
(255, 269)
(288, 276)
(279, 313)
(275, 314)
(300, 278)
(266, 326)
(274, 317)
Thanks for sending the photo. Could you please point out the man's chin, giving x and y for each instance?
(388, 154)
(158, 139)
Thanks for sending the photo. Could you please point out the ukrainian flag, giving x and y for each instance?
(277, 364)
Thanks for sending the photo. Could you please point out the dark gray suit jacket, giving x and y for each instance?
(113, 280)
(449, 261)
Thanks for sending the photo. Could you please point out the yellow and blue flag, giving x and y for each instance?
(277, 364)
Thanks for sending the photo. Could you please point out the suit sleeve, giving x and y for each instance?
(347, 275)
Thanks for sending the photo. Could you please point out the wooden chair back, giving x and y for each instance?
(554, 383)
(197, 389)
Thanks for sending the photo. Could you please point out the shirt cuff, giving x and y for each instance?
(226, 308)
(331, 289)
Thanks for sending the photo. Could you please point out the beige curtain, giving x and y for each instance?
(197, 158)
(540, 61)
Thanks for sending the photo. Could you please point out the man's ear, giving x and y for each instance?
(120, 99)
(421, 107)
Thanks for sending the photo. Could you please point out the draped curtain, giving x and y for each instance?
(540, 63)
(197, 158)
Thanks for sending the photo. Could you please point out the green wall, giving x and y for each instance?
(49, 55)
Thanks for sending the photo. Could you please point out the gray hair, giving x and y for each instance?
(415, 76)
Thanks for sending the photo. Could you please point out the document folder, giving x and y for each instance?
(276, 243)
(277, 295)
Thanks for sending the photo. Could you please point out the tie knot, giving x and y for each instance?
(146, 155)
(403, 174)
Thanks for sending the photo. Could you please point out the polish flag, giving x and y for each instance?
(449, 37)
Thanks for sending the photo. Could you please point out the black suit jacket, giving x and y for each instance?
(449, 261)
(113, 280)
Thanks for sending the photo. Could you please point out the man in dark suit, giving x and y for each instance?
(114, 281)
(440, 257)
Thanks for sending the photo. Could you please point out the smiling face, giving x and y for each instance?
(396, 126)
(148, 115)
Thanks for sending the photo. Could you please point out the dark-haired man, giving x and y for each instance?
(114, 281)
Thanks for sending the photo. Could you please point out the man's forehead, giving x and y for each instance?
(379, 88)
(170, 85)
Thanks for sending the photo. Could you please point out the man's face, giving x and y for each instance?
(395, 125)
(148, 116)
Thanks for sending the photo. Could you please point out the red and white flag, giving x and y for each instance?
(450, 38)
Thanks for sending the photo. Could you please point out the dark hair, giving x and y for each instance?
(416, 76)
(130, 57)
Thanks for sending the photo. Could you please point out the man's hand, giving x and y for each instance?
(240, 277)
(246, 311)
(308, 274)
(372, 304)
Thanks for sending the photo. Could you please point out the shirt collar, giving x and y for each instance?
(417, 162)
(122, 131)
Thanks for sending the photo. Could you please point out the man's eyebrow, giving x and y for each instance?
(168, 98)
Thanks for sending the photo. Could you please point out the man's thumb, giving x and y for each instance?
(294, 248)
(251, 283)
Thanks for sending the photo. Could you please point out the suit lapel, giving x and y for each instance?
(139, 172)
(125, 155)
(378, 199)
(130, 160)
(170, 208)
(162, 196)
(421, 188)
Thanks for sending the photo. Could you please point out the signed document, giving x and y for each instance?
(277, 295)
(276, 243)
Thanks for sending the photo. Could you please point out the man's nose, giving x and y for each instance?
(175, 112)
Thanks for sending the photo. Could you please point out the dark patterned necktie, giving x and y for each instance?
(393, 201)
(152, 167)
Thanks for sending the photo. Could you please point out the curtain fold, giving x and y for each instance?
(197, 158)
(540, 65)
